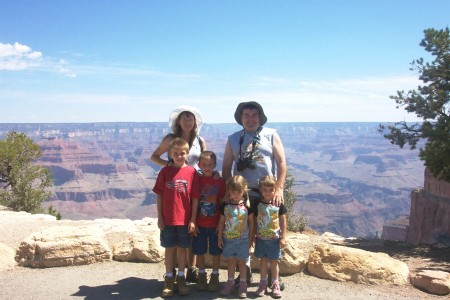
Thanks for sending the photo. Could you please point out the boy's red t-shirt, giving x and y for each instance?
(177, 186)
(211, 193)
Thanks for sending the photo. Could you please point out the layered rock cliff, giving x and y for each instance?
(429, 220)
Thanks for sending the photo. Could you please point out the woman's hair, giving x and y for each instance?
(267, 181)
(238, 183)
(178, 131)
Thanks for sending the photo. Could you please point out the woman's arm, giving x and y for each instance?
(162, 148)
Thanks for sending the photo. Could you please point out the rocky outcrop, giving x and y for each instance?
(63, 246)
(349, 264)
(429, 219)
(434, 282)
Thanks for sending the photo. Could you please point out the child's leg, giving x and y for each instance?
(201, 262)
(168, 261)
(242, 270)
(232, 267)
(216, 262)
(274, 269)
(181, 255)
(263, 268)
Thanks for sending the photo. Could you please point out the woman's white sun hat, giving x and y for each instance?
(178, 110)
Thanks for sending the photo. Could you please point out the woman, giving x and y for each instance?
(185, 122)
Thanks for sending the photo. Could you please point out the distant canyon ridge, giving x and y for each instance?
(349, 180)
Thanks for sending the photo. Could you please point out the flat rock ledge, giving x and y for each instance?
(69, 243)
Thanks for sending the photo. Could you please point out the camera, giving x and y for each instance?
(244, 163)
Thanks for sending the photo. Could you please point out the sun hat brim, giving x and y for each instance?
(178, 110)
(240, 108)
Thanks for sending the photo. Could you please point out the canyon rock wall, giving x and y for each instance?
(429, 220)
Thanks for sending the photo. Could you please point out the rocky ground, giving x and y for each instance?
(120, 280)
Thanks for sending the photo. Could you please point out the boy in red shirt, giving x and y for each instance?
(212, 190)
(177, 189)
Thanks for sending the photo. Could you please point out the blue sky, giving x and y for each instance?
(304, 61)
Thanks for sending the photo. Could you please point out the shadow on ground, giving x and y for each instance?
(133, 288)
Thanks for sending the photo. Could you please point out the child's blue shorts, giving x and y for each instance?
(207, 236)
(238, 248)
(269, 249)
(175, 236)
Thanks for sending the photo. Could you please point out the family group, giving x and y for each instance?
(201, 210)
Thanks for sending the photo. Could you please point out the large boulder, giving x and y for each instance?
(63, 246)
(432, 281)
(349, 264)
(7, 261)
(139, 247)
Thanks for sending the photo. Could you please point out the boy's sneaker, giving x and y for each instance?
(276, 292)
(228, 288)
(213, 285)
(202, 282)
(249, 277)
(168, 287)
(192, 275)
(183, 289)
(262, 289)
(242, 289)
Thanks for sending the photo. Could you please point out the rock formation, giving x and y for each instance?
(429, 219)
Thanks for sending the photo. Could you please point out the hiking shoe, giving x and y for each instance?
(168, 287)
(213, 285)
(269, 281)
(228, 288)
(202, 282)
(262, 289)
(183, 289)
(192, 275)
(242, 289)
(276, 292)
(249, 277)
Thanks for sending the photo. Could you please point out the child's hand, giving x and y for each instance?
(283, 242)
(251, 242)
(191, 227)
(160, 223)
(196, 231)
(220, 243)
(216, 174)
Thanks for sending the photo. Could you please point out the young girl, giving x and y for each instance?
(270, 235)
(235, 233)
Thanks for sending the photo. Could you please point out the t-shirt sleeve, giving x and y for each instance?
(222, 208)
(282, 210)
(159, 184)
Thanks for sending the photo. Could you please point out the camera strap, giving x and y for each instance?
(255, 140)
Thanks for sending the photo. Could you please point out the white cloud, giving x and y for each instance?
(14, 57)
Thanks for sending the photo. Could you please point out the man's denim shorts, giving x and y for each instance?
(269, 249)
(175, 236)
(238, 248)
(206, 236)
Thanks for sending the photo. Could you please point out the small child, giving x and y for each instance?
(235, 233)
(270, 235)
(212, 190)
(177, 189)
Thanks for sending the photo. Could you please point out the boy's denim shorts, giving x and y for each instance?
(175, 236)
(269, 249)
(205, 236)
(238, 248)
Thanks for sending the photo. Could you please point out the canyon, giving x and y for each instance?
(348, 178)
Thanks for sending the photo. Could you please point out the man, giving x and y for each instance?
(254, 151)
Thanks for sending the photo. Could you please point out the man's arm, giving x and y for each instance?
(280, 160)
